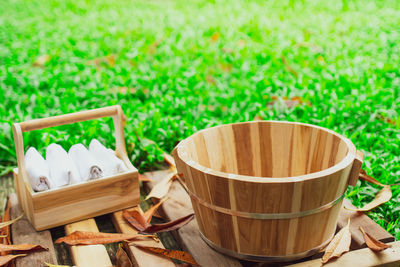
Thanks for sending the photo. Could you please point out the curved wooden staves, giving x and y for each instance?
(267, 189)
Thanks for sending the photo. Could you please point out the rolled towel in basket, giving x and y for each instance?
(38, 171)
(109, 162)
(120, 165)
(87, 165)
(62, 169)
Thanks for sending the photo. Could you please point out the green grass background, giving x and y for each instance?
(188, 65)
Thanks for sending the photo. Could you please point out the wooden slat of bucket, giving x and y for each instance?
(140, 257)
(309, 169)
(179, 205)
(23, 232)
(360, 219)
(93, 255)
(361, 258)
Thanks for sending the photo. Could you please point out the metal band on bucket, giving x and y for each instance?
(266, 216)
(251, 257)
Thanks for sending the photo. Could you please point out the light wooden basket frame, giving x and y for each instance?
(71, 203)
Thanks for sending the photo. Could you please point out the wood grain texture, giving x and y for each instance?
(179, 205)
(140, 257)
(23, 232)
(88, 256)
(360, 219)
(80, 201)
(355, 170)
(266, 167)
(361, 258)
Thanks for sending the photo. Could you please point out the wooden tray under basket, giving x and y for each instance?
(76, 202)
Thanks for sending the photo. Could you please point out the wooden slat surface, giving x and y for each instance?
(87, 256)
(360, 219)
(179, 205)
(140, 258)
(362, 258)
(23, 232)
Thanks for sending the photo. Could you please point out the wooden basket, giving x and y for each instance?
(267, 190)
(71, 203)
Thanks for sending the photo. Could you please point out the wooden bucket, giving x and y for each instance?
(267, 190)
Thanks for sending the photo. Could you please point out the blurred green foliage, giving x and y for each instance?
(179, 66)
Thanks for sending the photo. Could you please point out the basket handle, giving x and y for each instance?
(112, 111)
(356, 168)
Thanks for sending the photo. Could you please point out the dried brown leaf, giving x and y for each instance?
(215, 37)
(225, 67)
(21, 247)
(315, 48)
(228, 50)
(150, 212)
(169, 253)
(153, 47)
(108, 60)
(122, 258)
(386, 119)
(162, 187)
(135, 219)
(41, 60)
(321, 59)
(169, 226)
(372, 243)
(364, 176)
(339, 244)
(7, 223)
(55, 265)
(241, 43)
(91, 238)
(5, 231)
(383, 196)
(123, 90)
(211, 80)
(290, 103)
(169, 159)
(8, 258)
(144, 178)
(288, 66)
(171, 162)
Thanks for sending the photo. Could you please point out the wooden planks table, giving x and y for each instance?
(186, 238)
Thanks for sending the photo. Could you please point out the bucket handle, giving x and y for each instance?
(356, 168)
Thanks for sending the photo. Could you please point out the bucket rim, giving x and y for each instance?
(344, 163)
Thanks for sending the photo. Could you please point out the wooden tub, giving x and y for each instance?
(267, 190)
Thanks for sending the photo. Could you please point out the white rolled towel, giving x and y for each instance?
(109, 162)
(62, 169)
(87, 165)
(38, 171)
